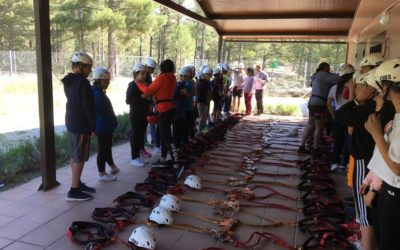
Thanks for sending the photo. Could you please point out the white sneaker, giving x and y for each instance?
(137, 162)
(106, 178)
(334, 166)
(157, 151)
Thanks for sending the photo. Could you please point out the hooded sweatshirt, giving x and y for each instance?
(162, 88)
(80, 116)
(106, 121)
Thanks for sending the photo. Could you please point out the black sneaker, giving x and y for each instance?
(78, 196)
(2, 184)
(303, 150)
(160, 164)
(84, 188)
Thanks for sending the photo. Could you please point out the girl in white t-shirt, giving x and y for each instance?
(385, 162)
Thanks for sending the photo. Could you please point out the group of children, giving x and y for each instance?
(175, 110)
(365, 113)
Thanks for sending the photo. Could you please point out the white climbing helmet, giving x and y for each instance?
(225, 67)
(193, 181)
(216, 71)
(101, 73)
(207, 70)
(82, 57)
(371, 80)
(161, 216)
(143, 237)
(170, 202)
(137, 67)
(388, 71)
(360, 79)
(345, 69)
(241, 65)
(373, 59)
(149, 62)
(185, 70)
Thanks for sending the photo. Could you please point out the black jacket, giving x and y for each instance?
(362, 144)
(203, 91)
(80, 117)
(134, 99)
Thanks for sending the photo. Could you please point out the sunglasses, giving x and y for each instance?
(185, 75)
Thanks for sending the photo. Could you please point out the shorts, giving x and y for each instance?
(217, 104)
(79, 146)
(237, 92)
(317, 111)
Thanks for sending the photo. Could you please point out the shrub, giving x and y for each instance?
(282, 109)
(22, 162)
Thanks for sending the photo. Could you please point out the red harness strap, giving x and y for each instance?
(264, 235)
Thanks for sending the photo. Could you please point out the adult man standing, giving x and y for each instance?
(261, 79)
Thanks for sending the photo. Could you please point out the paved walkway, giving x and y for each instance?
(38, 220)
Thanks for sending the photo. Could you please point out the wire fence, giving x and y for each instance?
(24, 62)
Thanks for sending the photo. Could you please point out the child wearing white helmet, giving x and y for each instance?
(227, 88)
(238, 80)
(385, 162)
(149, 65)
(183, 99)
(355, 113)
(139, 107)
(106, 123)
(217, 86)
(80, 120)
(370, 61)
(203, 97)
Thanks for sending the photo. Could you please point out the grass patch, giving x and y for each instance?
(22, 163)
(282, 109)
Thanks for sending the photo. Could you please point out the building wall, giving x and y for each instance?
(366, 31)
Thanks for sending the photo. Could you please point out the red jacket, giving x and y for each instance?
(162, 88)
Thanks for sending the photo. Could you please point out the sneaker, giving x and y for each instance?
(137, 162)
(145, 154)
(106, 178)
(303, 150)
(78, 196)
(2, 184)
(148, 145)
(84, 188)
(334, 166)
(157, 151)
(159, 164)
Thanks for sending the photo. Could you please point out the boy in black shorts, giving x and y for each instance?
(80, 120)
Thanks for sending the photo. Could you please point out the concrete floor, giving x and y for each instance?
(39, 220)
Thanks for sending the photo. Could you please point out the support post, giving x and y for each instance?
(45, 92)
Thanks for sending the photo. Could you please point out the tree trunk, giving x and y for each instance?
(264, 59)
(202, 42)
(240, 53)
(111, 52)
(196, 41)
(151, 47)
(159, 48)
(140, 47)
(228, 57)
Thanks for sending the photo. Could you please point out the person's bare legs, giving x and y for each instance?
(310, 127)
(238, 105)
(233, 104)
(368, 238)
(76, 169)
(319, 125)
